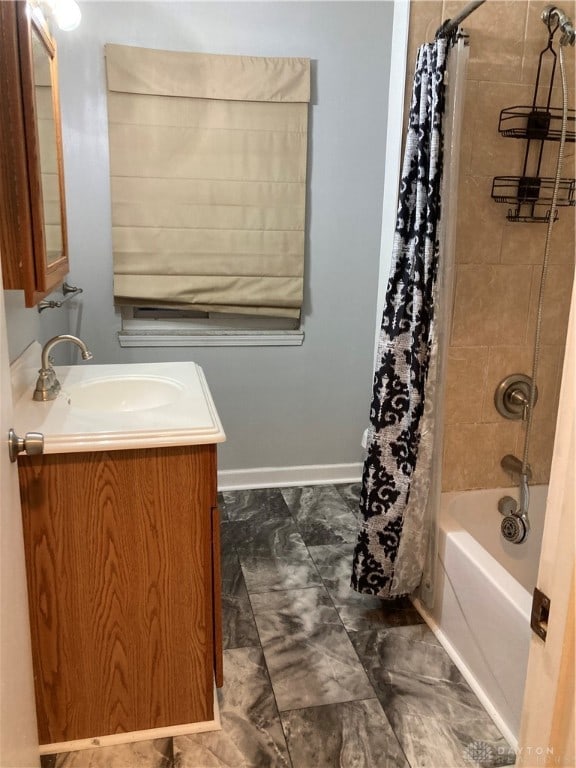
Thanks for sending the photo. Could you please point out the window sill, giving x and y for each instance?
(217, 338)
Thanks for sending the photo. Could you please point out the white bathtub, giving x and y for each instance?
(482, 610)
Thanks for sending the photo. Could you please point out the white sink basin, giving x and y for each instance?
(124, 393)
(116, 406)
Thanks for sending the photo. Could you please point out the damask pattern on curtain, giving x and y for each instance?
(392, 542)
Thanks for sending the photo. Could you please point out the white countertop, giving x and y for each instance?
(190, 419)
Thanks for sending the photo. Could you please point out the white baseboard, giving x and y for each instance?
(278, 477)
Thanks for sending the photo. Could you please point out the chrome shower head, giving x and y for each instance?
(513, 528)
(552, 13)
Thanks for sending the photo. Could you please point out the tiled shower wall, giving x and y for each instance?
(499, 263)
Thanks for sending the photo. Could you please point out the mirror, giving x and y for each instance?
(47, 148)
(32, 205)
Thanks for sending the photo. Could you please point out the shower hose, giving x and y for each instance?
(524, 496)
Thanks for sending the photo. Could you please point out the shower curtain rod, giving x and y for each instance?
(451, 25)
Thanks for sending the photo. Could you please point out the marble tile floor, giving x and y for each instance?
(317, 676)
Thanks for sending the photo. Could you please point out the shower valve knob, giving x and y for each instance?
(512, 396)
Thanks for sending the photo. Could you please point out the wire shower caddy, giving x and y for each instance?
(531, 193)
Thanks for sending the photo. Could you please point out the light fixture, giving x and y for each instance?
(65, 13)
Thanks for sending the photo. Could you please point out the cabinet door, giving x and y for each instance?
(119, 567)
(33, 210)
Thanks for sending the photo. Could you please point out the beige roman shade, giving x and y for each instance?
(208, 179)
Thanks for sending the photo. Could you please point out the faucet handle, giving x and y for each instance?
(520, 398)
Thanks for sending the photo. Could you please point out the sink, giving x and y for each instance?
(124, 393)
(116, 406)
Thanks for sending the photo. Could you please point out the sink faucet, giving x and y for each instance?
(48, 386)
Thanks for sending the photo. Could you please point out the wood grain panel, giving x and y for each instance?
(49, 273)
(119, 559)
(217, 599)
(22, 241)
(15, 216)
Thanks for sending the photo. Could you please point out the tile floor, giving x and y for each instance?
(316, 675)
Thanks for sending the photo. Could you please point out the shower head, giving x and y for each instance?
(552, 13)
(514, 529)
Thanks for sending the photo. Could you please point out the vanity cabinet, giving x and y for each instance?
(123, 564)
(33, 241)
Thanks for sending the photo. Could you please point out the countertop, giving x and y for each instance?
(189, 419)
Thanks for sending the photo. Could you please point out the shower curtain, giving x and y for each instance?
(393, 540)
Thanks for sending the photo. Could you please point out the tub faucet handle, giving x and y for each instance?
(518, 397)
(513, 397)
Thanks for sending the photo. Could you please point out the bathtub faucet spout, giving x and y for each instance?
(513, 466)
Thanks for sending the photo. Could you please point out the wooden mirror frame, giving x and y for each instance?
(22, 232)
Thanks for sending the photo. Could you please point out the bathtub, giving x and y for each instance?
(483, 602)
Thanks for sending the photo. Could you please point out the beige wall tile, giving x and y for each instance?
(548, 168)
(563, 241)
(523, 243)
(498, 272)
(540, 450)
(494, 56)
(505, 360)
(557, 293)
(425, 18)
(493, 154)
(551, 148)
(465, 382)
(469, 118)
(472, 454)
(548, 378)
(480, 223)
(491, 303)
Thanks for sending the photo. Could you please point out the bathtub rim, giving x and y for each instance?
(450, 524)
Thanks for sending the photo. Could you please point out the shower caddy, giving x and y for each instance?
(536, 124)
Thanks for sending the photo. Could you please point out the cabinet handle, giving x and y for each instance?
(31, 444)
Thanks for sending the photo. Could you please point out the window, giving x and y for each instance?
(208, 184)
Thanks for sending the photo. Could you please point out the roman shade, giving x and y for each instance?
(208, 179)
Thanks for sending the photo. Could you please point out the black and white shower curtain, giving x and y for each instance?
(392, 543)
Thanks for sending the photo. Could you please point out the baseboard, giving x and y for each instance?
(279, 477)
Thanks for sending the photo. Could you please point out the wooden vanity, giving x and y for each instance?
(123, 567)
(123, 570)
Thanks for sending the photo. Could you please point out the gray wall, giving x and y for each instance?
(280, 406)
(27, 325)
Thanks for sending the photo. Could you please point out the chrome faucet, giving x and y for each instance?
(48, 386)
(513, 465)
(553, 13)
